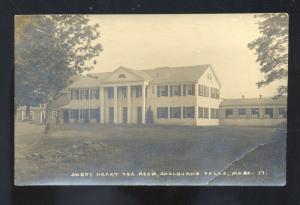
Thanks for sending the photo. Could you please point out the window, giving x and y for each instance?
(228, 113)
(95, 93)
(162, 112)
(209, 76)
(175, 90)
(214, 113)
(95, 113)
(110, 92)
(188, 112)
(74, 94)
(175, 112)
(200, 112)
(214, 93)
(84, 94)
(254, 112)
(201, 90)
(206, 115)
(206, 91)
(153, 90)
(84, 114)
(74, 114)
(242, 112)
(203, 112)
(282, 112)
(162, 90)
(122, 92)
(122, 76)
(269, 112)
(189, 89)
(54, 115)
(136, 91)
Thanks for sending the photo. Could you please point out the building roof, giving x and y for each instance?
(177, 74)
(140, 73)
(254, 101)
(61, 100)
(91, 80)
(32, 108)
(158, 75)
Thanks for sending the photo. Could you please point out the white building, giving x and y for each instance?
(179, 95)
(253, 111)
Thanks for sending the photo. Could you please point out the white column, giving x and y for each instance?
(102, 110)
(22, 115)
(128, 104)
(143, 104)
(115, 104)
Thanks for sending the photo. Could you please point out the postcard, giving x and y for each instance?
(151, 99)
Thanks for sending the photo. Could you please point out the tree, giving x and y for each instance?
(51, 50)
(272, 49)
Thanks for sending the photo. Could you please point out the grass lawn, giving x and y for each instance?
(67, 149)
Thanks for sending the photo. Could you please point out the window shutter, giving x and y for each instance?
(193, 89)
(166, 88)
(158, 91)
(179, 88)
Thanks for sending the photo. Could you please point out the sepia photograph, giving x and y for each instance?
(151, 99)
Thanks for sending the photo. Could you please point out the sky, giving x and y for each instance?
(151, 41)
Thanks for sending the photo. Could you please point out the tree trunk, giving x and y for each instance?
(46, 121)
(27, 112)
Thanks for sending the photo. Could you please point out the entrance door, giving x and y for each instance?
(139, 115)
(66, 116)
(124, 119)
(111, 115)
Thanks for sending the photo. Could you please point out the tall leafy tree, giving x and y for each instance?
(272, 49)
(51, 50)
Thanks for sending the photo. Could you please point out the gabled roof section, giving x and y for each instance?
(140, 74)
(254, 101)
(90, 80)
(177, 74)
(215, 75)
(185, 74)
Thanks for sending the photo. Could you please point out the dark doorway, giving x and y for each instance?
(66, 116)
(149, 116)
(124, 120)
(111, 115)
(139, 115)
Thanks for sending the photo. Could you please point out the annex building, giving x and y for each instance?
(188, 95)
